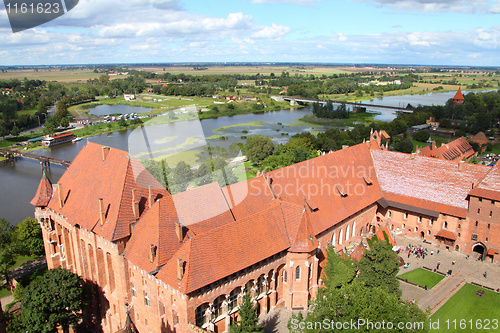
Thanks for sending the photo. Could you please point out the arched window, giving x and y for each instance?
(233, 298)
(354, 229)
(285, 276)
(218, 305)
(260, 284)
(334, 240)
(340, 237)
(200, 315)
(297, 273)
(347, 233)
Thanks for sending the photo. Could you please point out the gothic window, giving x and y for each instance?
(134, 292)
(146, 299)
(200, 315)
(233, 298)
(297, 273)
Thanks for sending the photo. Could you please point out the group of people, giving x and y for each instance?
(418, 251)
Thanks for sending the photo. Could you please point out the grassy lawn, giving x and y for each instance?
(20, 260)
(4, 292)
(465, 306)
(422, 277)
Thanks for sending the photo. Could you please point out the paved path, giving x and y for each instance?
(463, 271)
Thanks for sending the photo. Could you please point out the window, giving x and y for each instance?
(492, 202)
(480, 199)
(390, 214)
(218, 306)
(445, 225)
(146, 299)
(489, 226)
(340, 237)
(404, 225)
(334, 240)
(354, 229)
(477, 223)
(428, 232)
(260, 285)
(416, 229)
(233, 299)
(200, 315)
(297, 273)
(458, 234)
(491, 213)
(406, 215)
(285, 276)
(134, 292)
(487, 239)
(347, 233)
(459, 226)
(162, 308)
(420, 219)
(479, 210)
(311, 271)
(431, 222)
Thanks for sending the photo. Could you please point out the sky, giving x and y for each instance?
(407, 32)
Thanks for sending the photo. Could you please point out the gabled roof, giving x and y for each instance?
(489, 186)
(221, 252)
(155, 228)
(322, 180)
(427, 183)
(480, 138)
(90, 177)
(443, 233)
(304, 240)
(43, 193)
(455, 150)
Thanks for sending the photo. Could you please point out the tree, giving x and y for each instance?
(6, 262)
(378, 267)
(122, 122)
(259, 147)
(354, 302)
(64, 122)
(404, 146)
(248, 322)
(29, 238)
(5, 233)
(57, 299)
(338, 271)
(421, 136)
(15, 131)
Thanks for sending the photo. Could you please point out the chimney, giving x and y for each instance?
(152, 253)
(180, 269)
(150, 195)
(135, 205)
(105, 152)
(178, 231)
(461, 166)
(102, 211)
(60, 195)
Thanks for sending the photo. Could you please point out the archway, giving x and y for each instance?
(422, 234)
(478, 251)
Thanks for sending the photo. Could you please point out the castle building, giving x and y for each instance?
(182, 263)
(456, 150)
(458, 98)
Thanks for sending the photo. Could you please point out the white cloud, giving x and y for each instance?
(273, 32)
(294, 2)
(445, 6)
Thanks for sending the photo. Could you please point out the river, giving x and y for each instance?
(20, 179)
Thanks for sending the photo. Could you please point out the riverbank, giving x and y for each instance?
(354, 119)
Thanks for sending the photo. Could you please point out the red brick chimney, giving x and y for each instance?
(102, 211)
(152, 253)
(60, 195)
(178, 231)
(135, 205)
(105, 152)
(150, 195)
(461, 166)
(180, 269)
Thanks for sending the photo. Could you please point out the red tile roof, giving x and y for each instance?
(304, 240)
(446, 234)
(322, 180)
(459, 96)
(456, 150)
(380, 235)
(89, 178)
(489, 186)
(43, 193)
(223, 251)
(426, 183)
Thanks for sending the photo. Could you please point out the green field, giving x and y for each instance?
(422, 277)
(469, 310)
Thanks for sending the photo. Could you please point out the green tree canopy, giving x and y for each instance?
(259, 147)
(379, 266)
(249, 320)
(421, 136)
(338, 271)
(57, 299)
(29, 238)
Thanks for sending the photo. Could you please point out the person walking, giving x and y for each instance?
(485, 274)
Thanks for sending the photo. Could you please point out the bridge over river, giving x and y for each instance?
(44, 160)
(310, 100)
